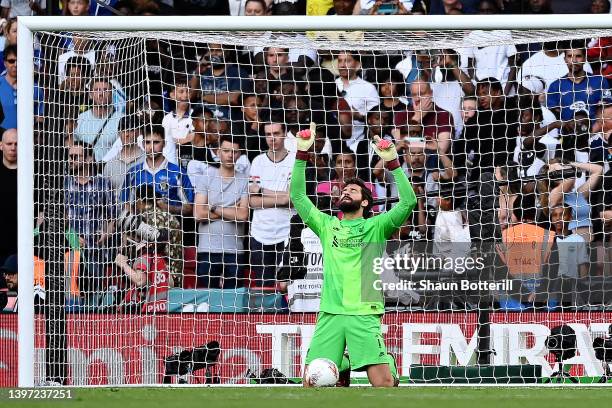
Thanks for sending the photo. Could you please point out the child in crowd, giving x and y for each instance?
(573, 254)
(178, 124)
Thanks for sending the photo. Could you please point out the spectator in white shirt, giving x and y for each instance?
(573, 255)
(178, 124)
(269, 198)
(496, 61)
(14, 8)
(533, 92)
(547, 65)
(360, 95)
(449, 85)
(452, 228)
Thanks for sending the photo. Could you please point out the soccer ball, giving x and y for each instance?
(322, 372)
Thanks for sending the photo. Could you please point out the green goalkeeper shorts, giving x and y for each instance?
(361, 335)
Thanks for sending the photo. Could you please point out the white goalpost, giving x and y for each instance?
(63, 336)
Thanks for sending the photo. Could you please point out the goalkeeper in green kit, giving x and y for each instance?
(351, 307)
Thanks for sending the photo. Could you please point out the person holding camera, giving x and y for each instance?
(385, 7)
(152, 255)
(360, 95)
(436, 123)
(574, 192)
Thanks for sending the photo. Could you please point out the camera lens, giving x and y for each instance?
(553, 343)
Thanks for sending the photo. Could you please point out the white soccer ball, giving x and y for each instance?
(322, 372)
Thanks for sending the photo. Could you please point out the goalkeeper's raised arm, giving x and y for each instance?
(389, 221)
(297, 190)
(395, 218)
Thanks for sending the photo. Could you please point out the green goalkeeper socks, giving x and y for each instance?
(345, 364)
(392, 366)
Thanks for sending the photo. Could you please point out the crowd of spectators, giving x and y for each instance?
(191, 166)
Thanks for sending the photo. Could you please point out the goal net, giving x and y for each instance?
(166, 249)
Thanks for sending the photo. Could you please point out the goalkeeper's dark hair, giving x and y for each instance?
(366, 194)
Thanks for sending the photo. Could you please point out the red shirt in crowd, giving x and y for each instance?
(602, 51)
(154, 296)
(434, 122)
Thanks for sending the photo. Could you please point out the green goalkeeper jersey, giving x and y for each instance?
(350, 247)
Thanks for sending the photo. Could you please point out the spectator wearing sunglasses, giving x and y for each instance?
(8, 89)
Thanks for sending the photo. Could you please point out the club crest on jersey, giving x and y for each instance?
(359, 229)
(163, 185)
(579, 106)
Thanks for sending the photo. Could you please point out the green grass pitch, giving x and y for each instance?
(354, 397)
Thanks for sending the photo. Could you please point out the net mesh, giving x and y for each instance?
(359, 40)
(167, 250)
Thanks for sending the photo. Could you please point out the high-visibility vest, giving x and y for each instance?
(39, 272)
(72, 261)
(526, 249)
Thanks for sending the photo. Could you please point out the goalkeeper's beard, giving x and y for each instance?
(349, 206)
